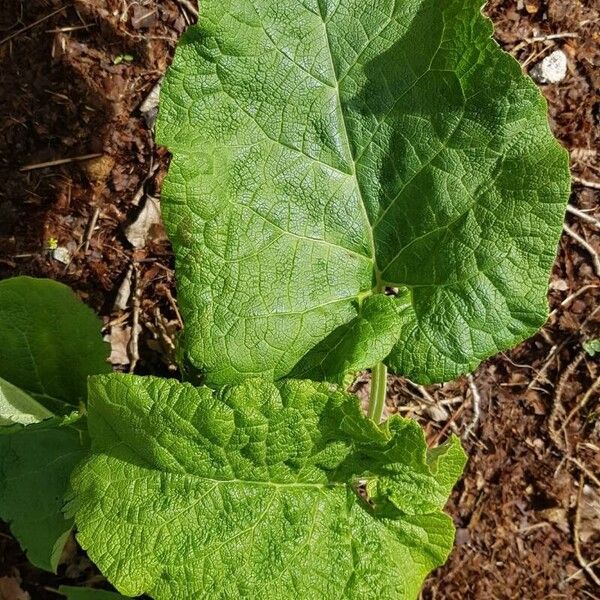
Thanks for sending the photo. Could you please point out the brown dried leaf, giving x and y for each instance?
(10, 589)
(143, 228)
(119, 339)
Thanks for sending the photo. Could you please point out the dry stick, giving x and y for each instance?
(580, 571)
(557, 406)
(583, 216)
(582, 562)
(60, 161)
(583, 469)
(133, 346)
(174, 306)
(90, 229)
(72, 28)
(28, 27)
(425, 395)
(554, 350)
(449, 424)
(187, 4)
(534, 56)
(572, 297)
(584, 244)
(586, 182)
(593, 389)
(476, 399)
(543, 38)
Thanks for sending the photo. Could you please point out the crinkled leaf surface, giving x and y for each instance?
(250, 493)
(325, 149)
(366, 340)
(17, 407)
(35, 466)
(49, 341)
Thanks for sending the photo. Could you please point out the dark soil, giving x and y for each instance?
(528, 507)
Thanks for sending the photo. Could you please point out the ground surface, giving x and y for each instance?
(528, 507)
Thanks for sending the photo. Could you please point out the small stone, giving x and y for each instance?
(553, 69)
(62, 255)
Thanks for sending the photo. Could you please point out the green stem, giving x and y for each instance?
(378, 392)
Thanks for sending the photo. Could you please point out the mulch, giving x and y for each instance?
(527, 510)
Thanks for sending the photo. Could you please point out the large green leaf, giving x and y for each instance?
(49, 341)
(252, 493)
(326, 149)
(35, 466)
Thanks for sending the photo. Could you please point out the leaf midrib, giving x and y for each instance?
(349, 146)
(106, 450)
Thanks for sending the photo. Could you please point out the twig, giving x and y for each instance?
(424, 394)
(571, 297)
(543, 38)
(580, 571)
(584, 244)
(60, 161)
(534, 56)
(586, 182)
(557, 407)
(476, 402)
(448, 425)
(593, 389)
(554, 350)
(583, 216)
(174, 306)
(188, 5)
(133, 346)
(582, 562)
(90, 229)
(69, 29)
(584, 469)
(28, 27)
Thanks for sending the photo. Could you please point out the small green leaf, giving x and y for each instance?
(35, 465)
(86, 593)
(365, 341)
(592, 347)
(252, 493)
(50, 341)
(117, 60)
(325, 150)
(18, 407)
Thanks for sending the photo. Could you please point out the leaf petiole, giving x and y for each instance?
(378, 392)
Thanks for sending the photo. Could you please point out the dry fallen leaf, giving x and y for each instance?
(124, 292)
(10, 589)
(141, 230)
(119, 339)
(590, 514)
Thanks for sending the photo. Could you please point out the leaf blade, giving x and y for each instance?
(50, 341)
(230, 490)
(399, 135)
(36, 462)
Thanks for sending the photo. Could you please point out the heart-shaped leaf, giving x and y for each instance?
(325, 150)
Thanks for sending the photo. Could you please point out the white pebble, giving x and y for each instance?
(62, 255)
(552, 69)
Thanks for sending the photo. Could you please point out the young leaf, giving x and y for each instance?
(86, 593)
(17, 407)
(50, 341)
(35, 465)
(252, 493)
(366, 340)
(325, 150)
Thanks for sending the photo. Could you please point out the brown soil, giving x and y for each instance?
(528, 507)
